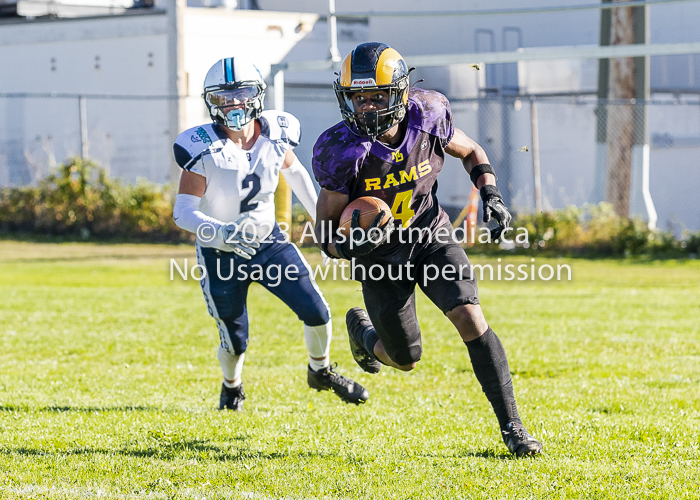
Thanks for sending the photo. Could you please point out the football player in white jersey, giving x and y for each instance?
(230, 173)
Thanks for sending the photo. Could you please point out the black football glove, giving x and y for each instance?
(360, 242)
(495, 207)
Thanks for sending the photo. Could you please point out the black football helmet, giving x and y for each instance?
(373, 66)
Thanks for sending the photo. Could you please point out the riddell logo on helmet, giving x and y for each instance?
(364, 81)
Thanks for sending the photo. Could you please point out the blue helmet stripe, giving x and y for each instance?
(228, 63)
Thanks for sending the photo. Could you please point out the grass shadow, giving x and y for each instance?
(81, 409)
(488, 453)
(186, 449)
(87, 258)
(28, 237)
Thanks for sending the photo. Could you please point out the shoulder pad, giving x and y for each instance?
(280, 126)
(338, 156)
(192, 142)
(430, 111)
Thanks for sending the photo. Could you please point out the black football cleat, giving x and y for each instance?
(519, 441)
(357, 321)
(231, 398)
(328, 379)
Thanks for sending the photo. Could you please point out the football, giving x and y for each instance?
(369, 207)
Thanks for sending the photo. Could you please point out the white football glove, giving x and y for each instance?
(235, 237)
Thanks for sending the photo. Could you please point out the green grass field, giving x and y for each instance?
(109, 383)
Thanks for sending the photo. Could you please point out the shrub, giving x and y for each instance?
(596, 231)
(79, 200)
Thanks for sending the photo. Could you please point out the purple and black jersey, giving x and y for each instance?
(405, 177)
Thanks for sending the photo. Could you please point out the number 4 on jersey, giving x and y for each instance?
(401, 209)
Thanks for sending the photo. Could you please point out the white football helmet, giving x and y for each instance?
(234, 91)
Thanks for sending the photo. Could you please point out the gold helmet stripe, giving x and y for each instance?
(345, 71)
(388, 61)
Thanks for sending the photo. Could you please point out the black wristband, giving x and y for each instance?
(479, 170)
(489, 191)
(324, 249)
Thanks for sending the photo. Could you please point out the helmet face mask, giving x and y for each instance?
(234, 91)
(373, 67)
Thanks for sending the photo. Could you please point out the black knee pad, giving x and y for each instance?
(406, 355)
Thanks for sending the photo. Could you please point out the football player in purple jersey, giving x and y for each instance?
(391, 144)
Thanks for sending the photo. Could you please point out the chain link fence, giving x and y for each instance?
(588, 150)
(130, 136)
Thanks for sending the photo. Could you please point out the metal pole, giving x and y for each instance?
(536, 156)
(642, 93)
(601, 152)
(646, 192)
(333, 32)
(177, 82)
(84, 145)
(531, 54)
(283, 194)
(606, 5)
(278, 90)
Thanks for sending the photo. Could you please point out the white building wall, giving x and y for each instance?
(123, 44)
(120, 56)
(133, 137)
(212, 34)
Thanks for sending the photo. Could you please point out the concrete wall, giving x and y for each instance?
(113, 55)
(124, 56)
(464, 34)
(213, 34)
(137, 53)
